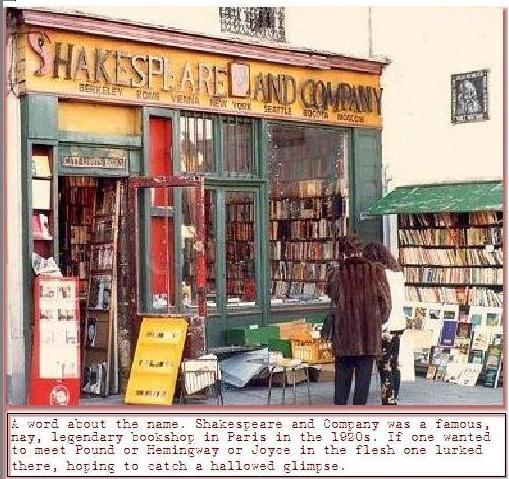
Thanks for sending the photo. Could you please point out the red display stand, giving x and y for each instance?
(55, 372)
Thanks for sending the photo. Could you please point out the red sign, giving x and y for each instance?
(55, 378)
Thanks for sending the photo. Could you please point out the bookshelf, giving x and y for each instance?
(77, 207)
(100, 343)
(452, 257)
(43, 218)
(240, 248)
(89, 216)
(306, 220)
(455, 259)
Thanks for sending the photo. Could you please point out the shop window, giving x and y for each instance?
(238, 146)
(196, 143)
(240, 248)
(261, 22)
(161, 160)
(308, 208)
(189, 286)
(160, 295)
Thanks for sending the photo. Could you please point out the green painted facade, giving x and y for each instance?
(40, 126)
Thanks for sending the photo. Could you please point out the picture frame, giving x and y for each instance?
(469, 97)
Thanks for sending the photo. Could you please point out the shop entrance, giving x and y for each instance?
(92, 247)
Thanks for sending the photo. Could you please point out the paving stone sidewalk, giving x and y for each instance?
(418, 392)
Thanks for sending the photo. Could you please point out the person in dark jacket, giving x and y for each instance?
(388, 363)
(361, 303)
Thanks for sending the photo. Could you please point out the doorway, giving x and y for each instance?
(92, 248)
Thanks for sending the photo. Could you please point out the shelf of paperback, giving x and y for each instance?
(100, 364)
(303, 233)
(240, 249)
(453, 265)
(461, 264)
(452, 346)
(42, 213)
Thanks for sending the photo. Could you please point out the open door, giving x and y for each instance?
(166, 235)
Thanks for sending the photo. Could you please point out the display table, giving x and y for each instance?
(285, 369)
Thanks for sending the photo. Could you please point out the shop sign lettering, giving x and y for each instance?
(83, 161)
(216, 82)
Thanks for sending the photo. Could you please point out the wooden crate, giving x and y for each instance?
(305, 351)
(295, 330)
(316, 350)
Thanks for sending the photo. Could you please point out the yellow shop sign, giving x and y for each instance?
(88, 66)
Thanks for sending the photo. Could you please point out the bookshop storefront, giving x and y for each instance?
(280, 156)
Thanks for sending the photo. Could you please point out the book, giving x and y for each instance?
(470, 375)
(41, 194)
(453, 371)
(41, 166)
(90, 333)
(448, 333)
(481, 338)
(491, 377)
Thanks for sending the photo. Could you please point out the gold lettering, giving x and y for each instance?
(260, 86)
(321, 95)
(345, 94)
(289, 90)
(59, 60)
(140, 83)
(152, 70)
(219, 83)
(120, 68)
(274, 88)
(187, 77)
(204, 78)
(355, 101)
(167, 75)
(82, 64)
(306, 90)
(100, 71)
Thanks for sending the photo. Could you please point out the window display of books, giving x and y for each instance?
(456, 347)
(240, 249)
(303, 232)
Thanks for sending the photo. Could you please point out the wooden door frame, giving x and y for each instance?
(141, 182)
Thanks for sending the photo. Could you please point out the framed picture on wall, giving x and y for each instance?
(469, 97)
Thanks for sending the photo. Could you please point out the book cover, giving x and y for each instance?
(44, 222)
(41, 194)
(481, 338)
(470, 375)
(430, 373)
(40, 166)
(448, 333)
(491, 377)
(493, 355)
(36, 226)
(453, 372)
(492, 319)
(476, 357)
(90, 333)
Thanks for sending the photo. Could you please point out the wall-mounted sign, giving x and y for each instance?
(82, 158)
(55, 370)
(87, 66)
(469, 97)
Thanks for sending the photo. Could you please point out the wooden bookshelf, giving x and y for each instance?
(100, 358)
(43, 217)
(303, 233)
